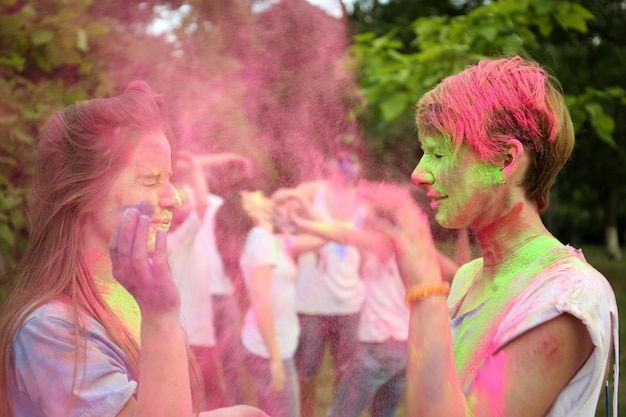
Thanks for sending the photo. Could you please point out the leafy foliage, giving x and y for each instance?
(393, 81)
(579, 40)
(52, 53)
(44, 65)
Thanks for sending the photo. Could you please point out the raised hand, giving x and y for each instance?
(146, 277)
(297, 203)
(409, 230)
(283, 194)
(242, 163)
(185, 160)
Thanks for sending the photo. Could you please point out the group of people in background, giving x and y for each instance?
(124, 306)
(318, 273)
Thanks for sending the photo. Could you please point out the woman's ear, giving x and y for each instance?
(513, 157)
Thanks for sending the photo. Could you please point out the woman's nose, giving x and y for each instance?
(170, 198)
(421, 177)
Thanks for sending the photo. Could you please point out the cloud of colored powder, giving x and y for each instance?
(272, 83)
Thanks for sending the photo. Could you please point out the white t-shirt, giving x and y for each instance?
(385, 314)
(329, 282)
(220, 283)
(262, 247)
(186, 247)
(556, 283)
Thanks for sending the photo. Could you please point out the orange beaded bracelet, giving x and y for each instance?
(422, 291)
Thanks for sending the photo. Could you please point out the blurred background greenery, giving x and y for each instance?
(283, 82)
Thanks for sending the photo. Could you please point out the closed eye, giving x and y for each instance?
(150, 180)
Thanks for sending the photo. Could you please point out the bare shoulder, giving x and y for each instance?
(561, 343)
(534, 367)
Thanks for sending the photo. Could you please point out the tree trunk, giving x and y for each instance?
(611, 241)
(611, 236)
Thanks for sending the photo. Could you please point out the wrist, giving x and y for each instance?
(422, 291)
(152, 324)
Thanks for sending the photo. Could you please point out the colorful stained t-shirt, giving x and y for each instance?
(44, 358)
(559, 282)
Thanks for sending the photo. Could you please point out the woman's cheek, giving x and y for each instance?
(152, 237)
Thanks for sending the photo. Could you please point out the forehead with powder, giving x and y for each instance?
(438, 143)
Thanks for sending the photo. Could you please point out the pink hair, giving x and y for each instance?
(496, 100)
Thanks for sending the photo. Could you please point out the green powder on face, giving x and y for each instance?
(465, 158)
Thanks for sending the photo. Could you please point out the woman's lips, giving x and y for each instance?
(435, 200)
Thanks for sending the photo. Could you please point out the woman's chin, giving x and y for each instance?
(449, 222)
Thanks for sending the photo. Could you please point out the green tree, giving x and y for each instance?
(393, 74)
(594, 181)
(44, 65)
(52, 53)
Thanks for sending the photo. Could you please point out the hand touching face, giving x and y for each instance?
(145, 276)
(134, 218)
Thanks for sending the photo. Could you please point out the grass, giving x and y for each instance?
(614, 271)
